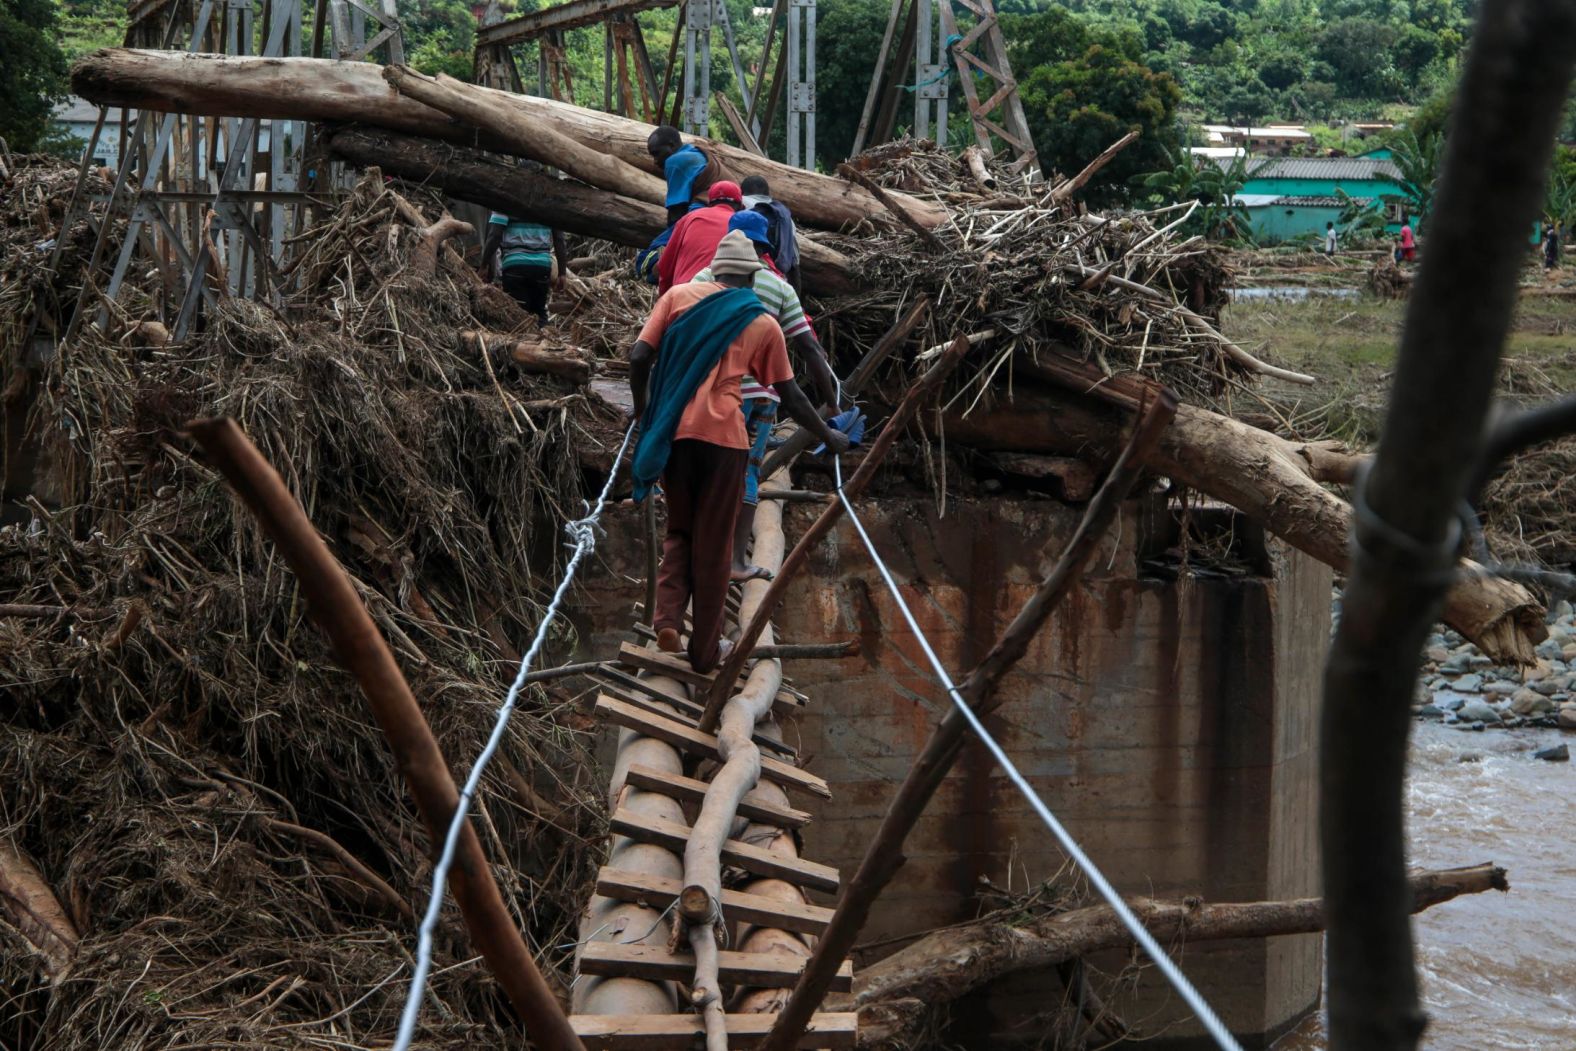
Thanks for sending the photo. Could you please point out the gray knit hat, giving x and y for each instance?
(735, 255)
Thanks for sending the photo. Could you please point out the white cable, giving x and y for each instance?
(583, 533)
(1174, 975)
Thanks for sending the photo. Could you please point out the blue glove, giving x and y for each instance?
(850, 422)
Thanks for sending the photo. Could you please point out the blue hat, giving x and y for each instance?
(753, 224)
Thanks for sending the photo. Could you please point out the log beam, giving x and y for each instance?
(28, 904)
(895, 995)
(1266, 477)
(316, 89)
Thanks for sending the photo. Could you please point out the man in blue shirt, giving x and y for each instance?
(682, 165)
(522, 253)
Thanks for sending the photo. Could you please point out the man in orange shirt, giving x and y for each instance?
(684, 374)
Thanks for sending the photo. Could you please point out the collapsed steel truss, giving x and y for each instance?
(203, 199)
(212, 202)
(684, 99)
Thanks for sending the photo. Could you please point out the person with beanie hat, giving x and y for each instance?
(685, 371)
(696, 236)
(760, 400)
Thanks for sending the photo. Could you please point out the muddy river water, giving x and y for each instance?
(1498, 970)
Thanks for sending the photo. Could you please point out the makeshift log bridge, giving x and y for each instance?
(662, 887)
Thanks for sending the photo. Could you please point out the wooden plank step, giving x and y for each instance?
(752, 859)
(836, 1030)
(689, 790)
(737, 907)
(783, 704)
(677, 667)
(690, 718)
(704, 745)
(645, 631)
(758, 970)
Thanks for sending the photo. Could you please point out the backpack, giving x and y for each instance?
(780, 231)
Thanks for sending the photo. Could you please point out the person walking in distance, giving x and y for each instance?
(522, 254)
(1330, 239)
(685, 371)
(1408, 242)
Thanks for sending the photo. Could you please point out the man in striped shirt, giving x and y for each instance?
(521, 253)
(760, 400)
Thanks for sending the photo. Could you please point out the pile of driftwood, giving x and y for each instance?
(1112, 293)
(205, 836)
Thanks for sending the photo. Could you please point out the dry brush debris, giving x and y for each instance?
(183, 762)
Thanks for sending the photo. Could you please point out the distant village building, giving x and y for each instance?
(77, 116)
(1276, 139)
(1291, 198)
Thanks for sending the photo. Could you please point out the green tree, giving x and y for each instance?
(1414, 51)
(1561, 206)
(1085, 87)
(1214, 186)
(1417, 161)
(32, 71)
(1279, 70)
(1358, 49)
(1359, 220)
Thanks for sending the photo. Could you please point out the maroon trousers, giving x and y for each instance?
(703, 485)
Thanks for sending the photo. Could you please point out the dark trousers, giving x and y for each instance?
(702, 484)
(530, 286)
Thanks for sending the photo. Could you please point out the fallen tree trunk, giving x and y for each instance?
(1265, 476)
(528, 355)
(470, 175)
(326, 90)
(896, 995)
(538, 140)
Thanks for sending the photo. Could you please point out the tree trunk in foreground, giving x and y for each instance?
(325, 90)
(471, 175)
(896, 995)
(1266, 477)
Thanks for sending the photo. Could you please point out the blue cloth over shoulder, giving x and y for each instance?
(691, 348)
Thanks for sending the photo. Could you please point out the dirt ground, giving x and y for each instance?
(1350, 345)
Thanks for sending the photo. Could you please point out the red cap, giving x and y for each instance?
(725, 191)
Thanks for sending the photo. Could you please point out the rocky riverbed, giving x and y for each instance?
(1463, 689)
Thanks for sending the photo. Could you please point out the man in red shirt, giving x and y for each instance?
(696, 236)
(694, 434)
